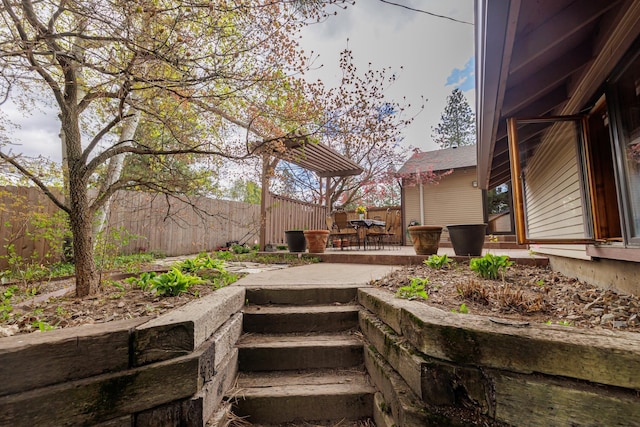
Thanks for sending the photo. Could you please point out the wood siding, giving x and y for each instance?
(454, 200)
(411, 204)
(553, 195)
(554, 206)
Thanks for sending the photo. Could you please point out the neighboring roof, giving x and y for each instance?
(541, 58)
(440, 160)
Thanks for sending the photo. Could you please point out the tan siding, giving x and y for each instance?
(553, 199)
(412, 204)
(569, 251)
(454, 200)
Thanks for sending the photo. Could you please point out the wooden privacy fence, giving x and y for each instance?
(21, 208)
(167, 225)
(170, 226)
(284, 214)
(180, 227)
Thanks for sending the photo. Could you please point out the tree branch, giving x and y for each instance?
(35, 180)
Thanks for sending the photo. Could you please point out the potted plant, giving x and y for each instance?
(425, 238)
(316, 240)
(361, 211)
(295, 240)
(467, 239)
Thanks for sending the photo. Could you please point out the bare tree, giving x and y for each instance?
(362, 124)
(181, 65)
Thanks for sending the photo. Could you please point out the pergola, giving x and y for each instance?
(316, 157)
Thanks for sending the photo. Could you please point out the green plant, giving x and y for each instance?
(489, 266)
(108, 245)
(223, 280)
(414, 289)
(437, 261)
(239, 249)
(42, 326)
(62, 312)
(462, 310)
(201, 261)
(224, 255)
(560, 322)
(5, 302)
(540, 282)
(173, 283)
(143, 281)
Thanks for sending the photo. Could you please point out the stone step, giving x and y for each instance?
(316, 396)
(291, 352)
(301, 295)
(288, 319)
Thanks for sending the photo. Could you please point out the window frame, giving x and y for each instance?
(517, 181)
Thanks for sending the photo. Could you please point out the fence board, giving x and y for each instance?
(169, 226)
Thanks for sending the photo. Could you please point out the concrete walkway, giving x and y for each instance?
(320, 274)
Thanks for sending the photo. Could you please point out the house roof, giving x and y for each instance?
(542, 58)
(440, 160)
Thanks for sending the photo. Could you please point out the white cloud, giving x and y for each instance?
(37, 129)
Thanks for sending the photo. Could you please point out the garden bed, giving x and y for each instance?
(526, 294)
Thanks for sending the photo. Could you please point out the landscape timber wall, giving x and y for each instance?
(439, 368)
(169, 370)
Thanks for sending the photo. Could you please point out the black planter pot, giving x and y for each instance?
(296, 241)
(467, 239)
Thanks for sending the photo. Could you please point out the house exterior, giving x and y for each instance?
(453, 199)
(558, 117)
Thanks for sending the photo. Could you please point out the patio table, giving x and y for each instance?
(362, 225)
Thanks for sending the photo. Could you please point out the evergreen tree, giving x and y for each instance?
(457, 125)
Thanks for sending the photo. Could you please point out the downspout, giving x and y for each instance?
(421, 205)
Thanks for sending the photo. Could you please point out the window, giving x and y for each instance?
(624, 92)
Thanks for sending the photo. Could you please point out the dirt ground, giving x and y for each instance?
(525, 294)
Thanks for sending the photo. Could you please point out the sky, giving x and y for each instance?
(436, 55)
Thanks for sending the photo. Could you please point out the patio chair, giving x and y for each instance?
(344, 229)
(378, 235)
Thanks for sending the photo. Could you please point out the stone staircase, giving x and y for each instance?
(300, 358)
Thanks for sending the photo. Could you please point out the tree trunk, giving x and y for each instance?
(80, 221)
(114, 169)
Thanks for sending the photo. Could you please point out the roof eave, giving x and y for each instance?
(496, 22)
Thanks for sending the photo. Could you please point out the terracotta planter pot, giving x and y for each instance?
(467, 239)
(425, 238)
(295, 241)
(316, 240)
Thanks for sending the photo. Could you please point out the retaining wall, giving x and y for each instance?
(170, 370)
(439, 368)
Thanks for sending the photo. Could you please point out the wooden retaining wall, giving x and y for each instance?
(170, 370)
(438, 368)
